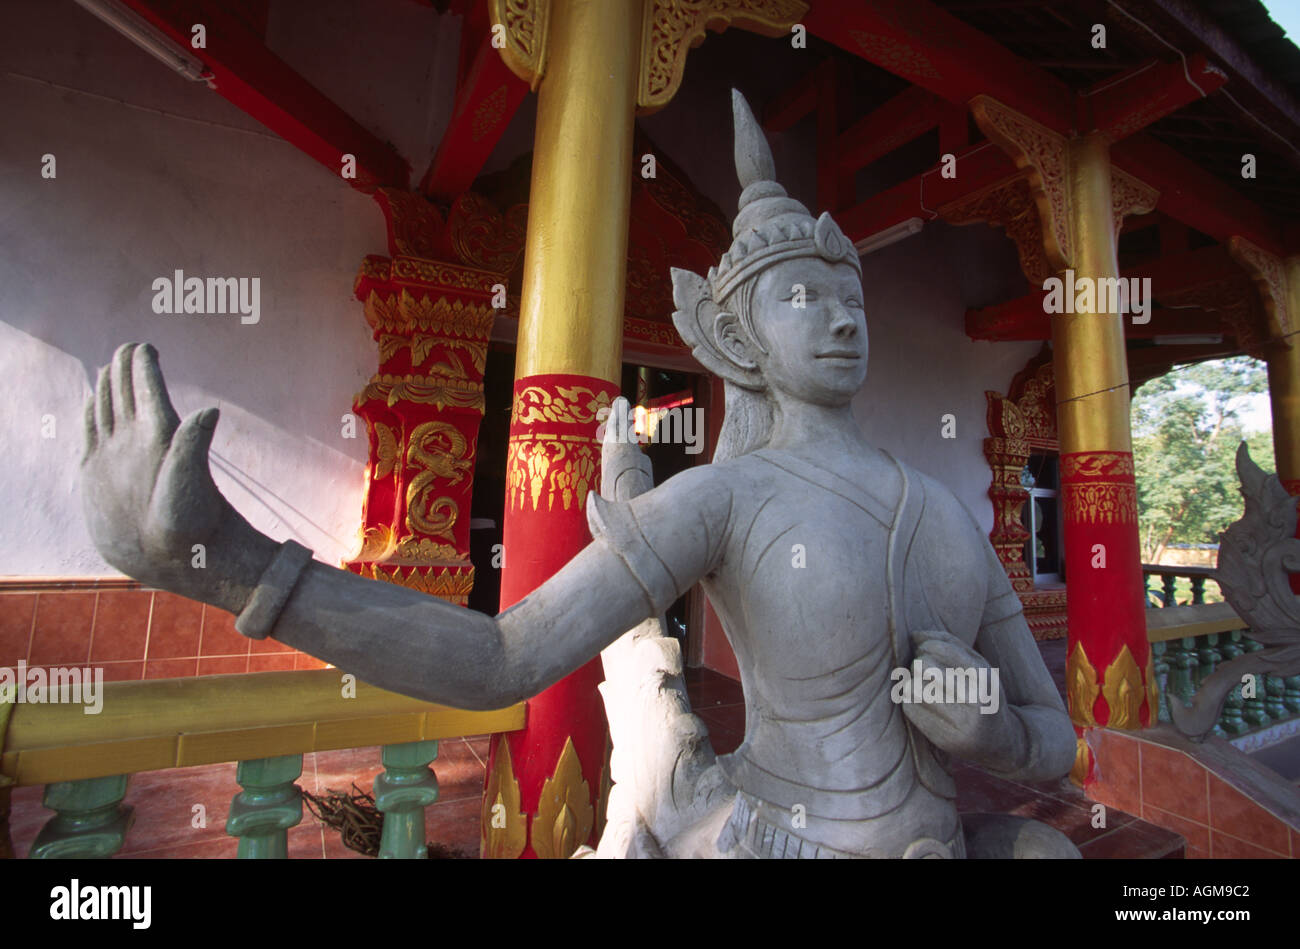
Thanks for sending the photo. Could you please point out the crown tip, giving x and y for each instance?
(753, 156)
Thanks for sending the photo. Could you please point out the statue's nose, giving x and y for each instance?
(843, 326)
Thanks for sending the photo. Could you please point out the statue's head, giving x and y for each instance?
(781, 316)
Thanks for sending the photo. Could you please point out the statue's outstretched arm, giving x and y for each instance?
(151, 505)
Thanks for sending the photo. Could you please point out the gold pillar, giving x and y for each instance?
(1088, 348)
(575, 259)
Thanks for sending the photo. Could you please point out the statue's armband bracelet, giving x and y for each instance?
(278, 580)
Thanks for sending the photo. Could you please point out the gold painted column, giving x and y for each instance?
(567, 368)
(1108, 671)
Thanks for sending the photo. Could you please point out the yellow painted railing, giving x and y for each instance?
(266, 721)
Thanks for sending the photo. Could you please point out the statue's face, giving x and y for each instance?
(816, 352)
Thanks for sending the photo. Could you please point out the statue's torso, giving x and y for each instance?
(803, 593)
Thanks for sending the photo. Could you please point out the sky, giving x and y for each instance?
(1286, 14)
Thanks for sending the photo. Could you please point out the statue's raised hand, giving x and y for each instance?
(152, 507)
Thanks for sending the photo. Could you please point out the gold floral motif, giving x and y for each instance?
(485, 237)
(1081, 687)
(672, 27)
(386, 451)
(1094, 464)
(1124, 691)
(562, 469)
(1043, 151)
(425, 550)
(564, 815)
(377, 543)
(1101, 502)
(439, 391)
(1082, 762)
(572, 404)
(1237, 307)
(439, 450)
(1266, 270)
(525, 23)
(502, 824)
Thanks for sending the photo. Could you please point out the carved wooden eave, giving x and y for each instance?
(669, 30)
(1269, 277)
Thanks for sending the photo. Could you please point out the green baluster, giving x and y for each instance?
(1169, 581)
(269, 804)
(1146, 588)
(1160, 669)
(1198, 590)
(1275, 698)
(1253, 710)
(89, 819)
(1182, 665)
(1208, 656)
(402, 792)
(1230, 720)
(1291, 698)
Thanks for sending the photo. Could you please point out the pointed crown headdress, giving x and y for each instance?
(770, 227)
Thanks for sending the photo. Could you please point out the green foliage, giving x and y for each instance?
(1186, 428)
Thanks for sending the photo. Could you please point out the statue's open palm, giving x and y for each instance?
(147, 490)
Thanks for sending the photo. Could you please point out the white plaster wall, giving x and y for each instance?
(156, 174)
(921, 364)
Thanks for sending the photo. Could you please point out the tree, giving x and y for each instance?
(1186, 428)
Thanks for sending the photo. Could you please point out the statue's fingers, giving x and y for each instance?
(92, 435)
(617, 425)
(123, 390)
(186, 463)
(151, 399)
(104, 403)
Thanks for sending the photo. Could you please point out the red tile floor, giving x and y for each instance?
(165, 801)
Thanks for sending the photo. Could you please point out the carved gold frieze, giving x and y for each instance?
(1124, 691)
(439, 391)
(1009, 205)
(564, 815)
(1129, 196)
(406, 313)
(1043, 152)
(448, 583)
(1081, 687)
(550, 472)
(1231, 299)
(672, 27)
(1267, 272)
(525, 23)
(503, 826)
(484, 237)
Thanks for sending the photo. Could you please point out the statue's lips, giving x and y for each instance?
(840, 354)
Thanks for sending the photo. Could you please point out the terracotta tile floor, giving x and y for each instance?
(169, 804)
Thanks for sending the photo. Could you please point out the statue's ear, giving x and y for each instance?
(715, 336)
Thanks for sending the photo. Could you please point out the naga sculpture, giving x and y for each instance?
(1257, 556)
(895, 574)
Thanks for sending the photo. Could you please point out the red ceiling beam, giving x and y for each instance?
(251, 77)
(908, 115)
(933, 49)
(487, 96)
(1024, 318)
(1191, 194)
(792, 105)
(977, 167)
(1119, 108)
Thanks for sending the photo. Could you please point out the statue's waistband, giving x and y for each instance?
(747, 831)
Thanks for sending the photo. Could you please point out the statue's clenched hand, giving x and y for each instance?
(152, 507)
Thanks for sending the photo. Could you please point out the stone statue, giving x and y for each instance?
(843, 579)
